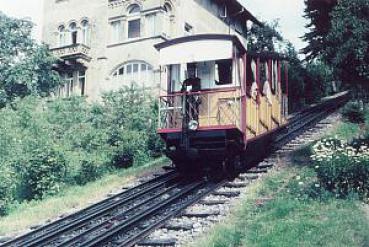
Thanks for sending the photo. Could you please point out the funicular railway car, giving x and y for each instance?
(220, 106)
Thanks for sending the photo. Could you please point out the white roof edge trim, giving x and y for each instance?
(196, 51)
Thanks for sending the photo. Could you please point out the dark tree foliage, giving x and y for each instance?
(318, 12)
(263, 38)
(25, 67)
(308, 82)
(348, 42)
(296, 84)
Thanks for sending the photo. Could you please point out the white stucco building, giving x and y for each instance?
(105, 44)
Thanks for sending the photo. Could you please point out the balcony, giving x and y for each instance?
(74, 52)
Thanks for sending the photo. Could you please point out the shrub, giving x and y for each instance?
(342, 168)
(44, 173)
(59, 142)
(129, 147)
(353, 112)
(6, 188)
(89, 171)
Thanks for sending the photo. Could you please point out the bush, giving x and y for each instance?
(88, 172)
(49, 144)
(353, 112)
(342, 168)
(6, 189)
(44, 173)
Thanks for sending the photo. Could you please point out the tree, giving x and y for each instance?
(318, 11)
(25, 67)
(264, 37)
(308, 82)
(340, 37)
(348, 41)
(296, 83)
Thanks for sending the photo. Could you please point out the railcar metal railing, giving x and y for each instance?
(208, 108)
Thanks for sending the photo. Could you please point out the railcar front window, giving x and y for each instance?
(223, 72)
(175, 77)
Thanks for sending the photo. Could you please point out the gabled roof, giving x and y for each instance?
(238, 10)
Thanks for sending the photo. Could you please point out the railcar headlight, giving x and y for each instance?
(193, 125)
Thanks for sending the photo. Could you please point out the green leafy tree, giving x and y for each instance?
(264, 37)
(340, 37)
(25, 66)
(348, 41)
(318, 12)
(296, 74)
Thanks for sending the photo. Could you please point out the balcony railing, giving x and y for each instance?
(74, 51)
(210, 109)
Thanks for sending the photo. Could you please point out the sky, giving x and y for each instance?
(288, 12)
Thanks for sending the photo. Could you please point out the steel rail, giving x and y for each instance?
(309, 117)
(74, 239)
(132, 241)
(106, 236)
(99, 213)
(24, 240)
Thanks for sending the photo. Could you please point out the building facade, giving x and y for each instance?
(103, 45)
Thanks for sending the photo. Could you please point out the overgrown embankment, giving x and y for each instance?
(315, 201)
(46, 146)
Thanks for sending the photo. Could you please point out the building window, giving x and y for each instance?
(85, 32)
(167, 25)
(67, 88)
(134, 72)
(73, 32)
(134, 21)
(134, 9)
(74, 84)
(150, 25)
(82, 82)
(116, 31)
(61, 36)
(69, 84)
(188, 30)
(134, 29)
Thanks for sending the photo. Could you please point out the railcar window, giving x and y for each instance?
(275, 76)
(263, 73)
(175, 77)
(223, 72)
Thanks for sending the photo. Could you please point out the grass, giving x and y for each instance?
(288, 208)
(22, 216)
(278, 212)
(346, 131)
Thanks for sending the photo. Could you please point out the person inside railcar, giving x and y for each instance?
(199, 76)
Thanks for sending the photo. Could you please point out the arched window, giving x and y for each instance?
(167, 25)
(134, 21)
(134, 72)
(61, 36)
(73, 32)
(85, 32)
(134, 9)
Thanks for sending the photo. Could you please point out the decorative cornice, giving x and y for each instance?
(118, 3)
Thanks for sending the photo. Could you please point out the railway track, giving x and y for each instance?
(49, 231)
(128, 217)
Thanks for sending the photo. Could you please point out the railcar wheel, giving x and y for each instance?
(232, 166)
(188, 170)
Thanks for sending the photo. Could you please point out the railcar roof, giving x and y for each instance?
(267, 55)
(199, 37)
